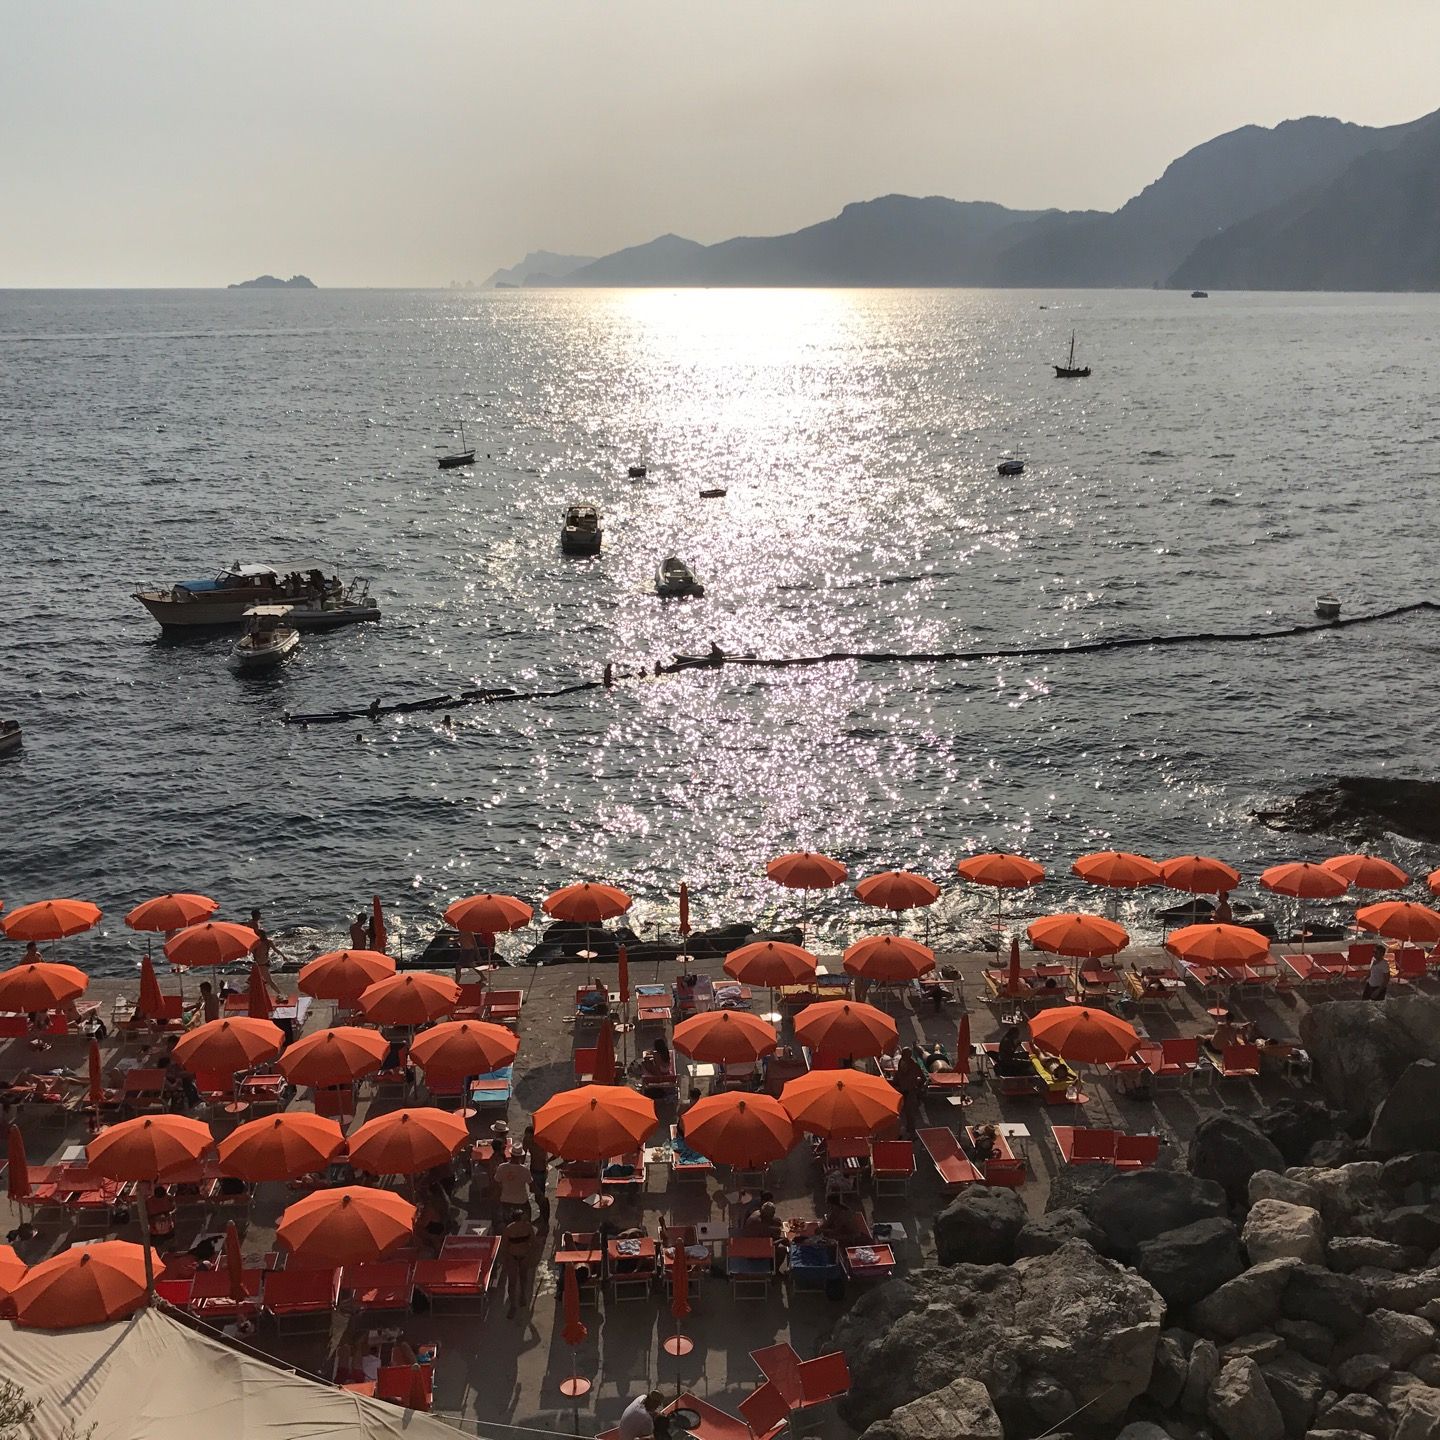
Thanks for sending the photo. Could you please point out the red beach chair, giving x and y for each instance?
(1079, 1145)
(951, 1163)
(1136, 1152)
(765, 1411)
(892, 1164)
(1239, 1062)
(301, 1295)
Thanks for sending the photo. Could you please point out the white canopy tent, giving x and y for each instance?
(153, 1378)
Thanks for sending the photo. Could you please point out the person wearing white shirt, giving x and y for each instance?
(638, 1420)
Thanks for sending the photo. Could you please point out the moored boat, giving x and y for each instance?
(1199, 294)
(465, 455)
(636, 472)
(580, 534)
(1070, 370)
(10, 737)
(269, 638)
(320, 602)
(1327, 607)
(674, 578)
(1010, 467)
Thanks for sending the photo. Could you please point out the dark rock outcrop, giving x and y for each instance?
(1362, 808)
(1133, 1208)
(1228, 1148)
(1185, 1265)
(961, 1411)
(1360, 1049)
(273, 282)
(1408, 1118)
(979, 1227)
(1056, 1228)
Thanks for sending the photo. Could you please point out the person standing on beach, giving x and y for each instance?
(1377, 981)
(359, 933)
(265, 947)
(910, 1081)
(517, 1240)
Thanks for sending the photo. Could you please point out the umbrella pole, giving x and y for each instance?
(146, 1191)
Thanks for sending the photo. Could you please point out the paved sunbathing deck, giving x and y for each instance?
(495, 1373)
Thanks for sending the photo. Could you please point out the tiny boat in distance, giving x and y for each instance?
(636, 472)
(674, 578)
(465, 455)
(268, 640)
(10, 737)
(1199, 294)
(1327, 607)
(1069, 370)
(716, 493)
(1010, 467)
(581, 534)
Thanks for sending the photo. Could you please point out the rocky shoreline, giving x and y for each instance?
(1362, 808)
(1283, 1285)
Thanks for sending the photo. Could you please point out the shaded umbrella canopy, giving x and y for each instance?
(148, 1147)
(1001, 870)
(806, 870)
(227, 1045)
(587, 903)
(280, 1147)
(725, 1037)
(1401, 920)
(1304, 880)
(405, 1142)
(1220, 946)
(335, 1056)
(846, 1030)
(840, 1102)
(50, 920)
(594, 1122)
(413, 997)
(1199, 874)
(212, 942)
(770, 962)
(897, 890)
(41, 985)
(739, 1129)
(1078, 935)
(86, 1285)
(464, 1047)
(345, 1226)
(889, 958)
(1368, 872)
(1083, 1036)
(488, 914)
(344, 975)
(171, 912)
(1117, 869)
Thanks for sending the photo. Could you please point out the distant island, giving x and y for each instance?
(1312, 204)
(273, 282)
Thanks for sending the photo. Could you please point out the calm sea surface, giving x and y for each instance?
(1228, 460)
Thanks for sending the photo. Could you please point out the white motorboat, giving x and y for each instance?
(580, 534)
(10, 737)
(1327, 607)
(269, 638)
(321, 601)
(674, 578)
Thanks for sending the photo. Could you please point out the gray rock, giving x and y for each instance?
(1185, 1265)
(979, 1227)
(1408, 1118)
(1417, 1225)
(1359, 1049)
(1397, 1339)
(1419, 1417)
(1361, 1371)
(1406, 1293)
(1338, 1302)
(1430, 1311)
(1357, 1412)
(1143, 1430)
(1203, 1371)
(1350, 1252)
(1307, 1338)
(1296, 1385)
(961, 1411)
(1067, 1322)
(1240, 1404)
(1167, 1374)
(1260, 1347)
(1295, 1127)
(1053, 1229)
(1394, 1392)
(1228, 1148)
(1136, 1207)
(1045, 1399)
(1275, 1229)
(1249, 1302)
(1268, 1185)
(1344, 1192)
(1427, 1369)
(1421, 1168)
(1328, 1434)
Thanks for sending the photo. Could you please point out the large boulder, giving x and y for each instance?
(1310, 1292)
(1068, 1324)
(1356, 1414)
(1296, 1127)
(1351, 1252)
(1167, 1375)
(1247, 1303)
(1139, 1206)
(1408, 1118)
(1203, 1370)
(1344, 1194)
(1396, 1339)
(1419, 1417)
(1360, 1049)
(1267, 1185)
(1185, 1265)
(1056, 1228)
(1409, 1294)
(961, 1411)
(1416, 1226)
(980, 1226)
(1296, 1386)
(1275, 1229)
(1240, 1405)
(1228, 1149)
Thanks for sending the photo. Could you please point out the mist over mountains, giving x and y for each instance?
(1310, 204)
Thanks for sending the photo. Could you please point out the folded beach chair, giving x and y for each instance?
(951, 1163)
(335, 1102)
(456, 1279)
(212, 1296)
(503, 1006)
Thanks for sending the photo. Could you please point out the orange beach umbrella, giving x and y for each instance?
(464, 1047)
(488, 914)
(413, 997)
(1304, 880)
(1083, 1036)
(12, 1271)
(840, 1102)
(1368, 872)
(224, 1046)
(1401, 920)
(739, 1129)
(1220, 946)
(151, 1003)
(1077, 935)
(846, 1030)
(1001, 870)
(770, 962)
(1433, 881)
(345, 1226)
(725, 1037)
(336, 1056)
(889, 958)
(86, 1285)
(587, 903)
(1199, 874)
(171, 912)
(1118, 869)
(17, 1168)
(594, 1122)
(806, 870)
(280, 1147)
(405, 1142)
(344, 975)
(148, 1147)
(897, 890)
(211, 942)
(50, 920)
(41, 985)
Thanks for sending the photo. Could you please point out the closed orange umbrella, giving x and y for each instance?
(770, 962)
(50, 920)
(1368, 872)
(212, 942)
(258, 1000)
(412, 998)
(684, 908)
(1401, 920)
(594, 1122)
(41, 985)
(344, 975)
(588, 903)
(171, 912)
(349, 1225)
(725, 1037)
(488, 914)
(962, 1046)
(404, 1142)
(1199, 874)
(679, 1284)
(86, 1285)
(897, 890)
(464, 1047)
(148, 1147)
(336, 1056)
(1221, 946)
(1304, 880)
(840, 1102)
(1083, 1036)
(1001, 870)
(574, 1331)
(280, 1147)
(739, 1129)
(1118, 869)
(17, 1170)
(151, 1004)
(889, 958)
(603, 1072)
(224, 1046)
(846, 1030)
(12, 1271)
(1080, 936)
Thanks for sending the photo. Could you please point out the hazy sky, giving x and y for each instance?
(189, 142)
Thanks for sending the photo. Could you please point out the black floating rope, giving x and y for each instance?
(716, 660)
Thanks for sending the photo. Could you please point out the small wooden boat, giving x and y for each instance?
(1327, 607)
(636, 472)
(268, 641)
(674, 578)
(1199, 294)
(1069, 370)
(580, 534)
(10, 737)
(1010, 467)
(465, 455)
(718, 493)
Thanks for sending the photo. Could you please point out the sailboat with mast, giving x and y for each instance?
(1069, 370)
(465, 455)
